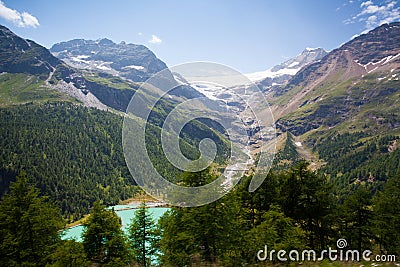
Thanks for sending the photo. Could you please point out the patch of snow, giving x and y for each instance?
(82, 56)
(364, 66)
(103, 67)
(368, 67)
(393, 76)
(298, 144)
(208, 89)
(387, 59)
(293, 64)
(78, 59)
(256, 76)
(136, 67)
(372, 70)
(382, 61)
(179, 80)
(394, 57)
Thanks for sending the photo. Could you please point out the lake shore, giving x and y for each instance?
(144, 198)
(134, 201)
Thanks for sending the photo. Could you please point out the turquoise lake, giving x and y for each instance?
(125, 212)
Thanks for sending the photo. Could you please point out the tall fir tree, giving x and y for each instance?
(29, 226)
(208, 233)
(69, 253)
(307, 198)
(103, 238)
(356, 219)
(277, 232)
(143, 236)
(386, 218)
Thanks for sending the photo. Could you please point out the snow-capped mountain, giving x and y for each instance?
(359, 81)
(131, 61)
(282, 72)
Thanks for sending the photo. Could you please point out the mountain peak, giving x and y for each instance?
(375, 51)
(308, 56)
(6, 30)
(280, 73)
(311, 50)
(105, 42)
(132, 61)
(18, 55)
(378, 43)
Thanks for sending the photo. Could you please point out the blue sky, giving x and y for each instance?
(246, 35)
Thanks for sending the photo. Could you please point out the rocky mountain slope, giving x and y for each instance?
(370, 62)
(344, 109)
(123, 62)
(24, 60)
(19, 55)
(280, 74)
(135, 62)
(31, 73)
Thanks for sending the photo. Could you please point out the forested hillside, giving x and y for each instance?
(74, 154)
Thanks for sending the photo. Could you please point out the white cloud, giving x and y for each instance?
(140, 33)
(367, 3)
(23, 19)
(155, 39)
(29, 20)
(374, 15)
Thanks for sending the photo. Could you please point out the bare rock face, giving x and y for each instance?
(131, 61)
(370, 52)
(18, 55)
(349, 84)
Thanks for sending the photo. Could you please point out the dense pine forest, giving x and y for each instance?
(74, 153)
(293, 209)
(359, 157)
(61, 161)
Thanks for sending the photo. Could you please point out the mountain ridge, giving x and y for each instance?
(20, 55)
(342, 65)
(132, 61)
(281, 73)
(344, 108)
